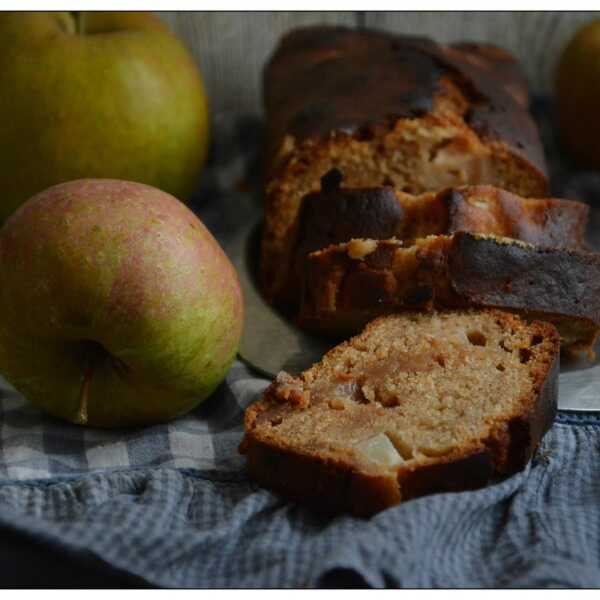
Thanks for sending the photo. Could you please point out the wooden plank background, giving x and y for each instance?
(231, 47)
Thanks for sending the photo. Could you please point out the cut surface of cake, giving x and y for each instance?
(347, 285)
(389, 110)
(415, 404)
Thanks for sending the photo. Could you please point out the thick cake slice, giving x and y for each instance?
(389, 110)
(415, 404)
(337, 214)
(349, 284)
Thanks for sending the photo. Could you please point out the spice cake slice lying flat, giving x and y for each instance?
(417, 403)
(337, 214)
(347, 285)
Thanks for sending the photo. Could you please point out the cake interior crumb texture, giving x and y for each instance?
(410, 392)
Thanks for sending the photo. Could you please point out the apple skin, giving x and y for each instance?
(114, 291)
(120, 99)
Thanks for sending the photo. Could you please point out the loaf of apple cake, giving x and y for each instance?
(388, 110)
(416, 404)
(347, 285)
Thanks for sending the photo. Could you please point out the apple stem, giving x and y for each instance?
(82, 414)
(79, 17)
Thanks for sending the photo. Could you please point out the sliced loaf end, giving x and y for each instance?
(347, 285)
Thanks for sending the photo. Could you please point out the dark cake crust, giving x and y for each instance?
(550, 222)
(540, 280)
(336, 214)
(342, 293)
(370, 78)
(507, 71)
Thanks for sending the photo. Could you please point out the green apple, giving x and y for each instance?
(112, 95)
(117, 306)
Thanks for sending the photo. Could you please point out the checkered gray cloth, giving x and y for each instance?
(173, 527)
(34, 446)
(171, 505)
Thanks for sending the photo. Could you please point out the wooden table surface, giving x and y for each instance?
(231, 47)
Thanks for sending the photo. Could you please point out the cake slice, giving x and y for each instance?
(347, 285)
(337, 214)
(389, 110)
(417, 403)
